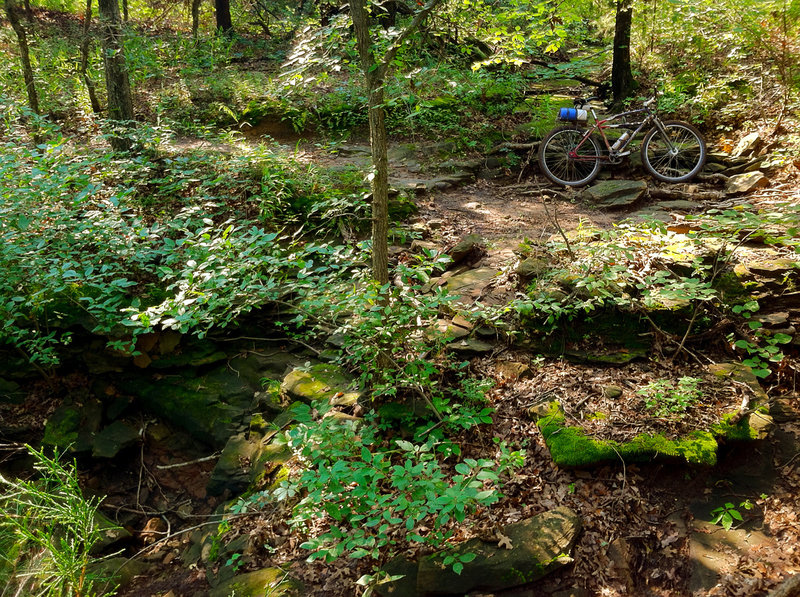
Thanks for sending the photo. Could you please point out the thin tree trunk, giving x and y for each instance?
(622, 81)
(84, 66)
(223, 10)
(12, 12)
(195, 18)
(374, 74)
(125, 10)
(120, 102)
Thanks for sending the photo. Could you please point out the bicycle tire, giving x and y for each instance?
(684, 162)
(555, 163)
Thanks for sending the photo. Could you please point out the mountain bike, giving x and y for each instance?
(672, 151)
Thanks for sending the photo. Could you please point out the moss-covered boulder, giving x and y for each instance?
(73, 425)
(11, 392)
(614, 194)
(244, 461)
(570, 447)
(320, 382)
(210, 407)
(269, 581)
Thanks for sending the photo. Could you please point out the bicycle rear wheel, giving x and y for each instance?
(556, 163)
(680, 162)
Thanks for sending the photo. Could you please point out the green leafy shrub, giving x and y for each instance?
(358, 494)
(666, 399)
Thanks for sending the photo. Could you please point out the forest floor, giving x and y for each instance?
(646, 528)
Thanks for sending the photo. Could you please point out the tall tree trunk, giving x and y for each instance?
(84, 65)
(622, 81)
(223, 10)
(125, 10)
(12, 12)
(195, 18)
(120, 102)
(373, 74)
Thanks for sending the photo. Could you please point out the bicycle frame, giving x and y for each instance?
(614, 154)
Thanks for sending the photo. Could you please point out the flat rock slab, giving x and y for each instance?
(471, 283)
(615, 194)
(114, 438)
(530, 550)
(746, 182)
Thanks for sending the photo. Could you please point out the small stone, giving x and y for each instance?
(612, 391)
(471, 345)
(271, 581)
(772, 320)
(420, 246)
(539, 545)
(761, 424)
(747, 145)
(470, 245)
(320, 382)
(543, 409)
(513, 370)
(679, 204)
(774, 268)
(745, 183)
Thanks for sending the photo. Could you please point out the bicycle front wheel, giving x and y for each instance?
(677, 158)
(558, 165)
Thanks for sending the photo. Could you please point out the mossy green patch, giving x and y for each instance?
(571, 447)
(740, 430)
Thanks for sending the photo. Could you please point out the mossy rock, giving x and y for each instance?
(269, 581)
(243, 462)
(73, 426)
(320, 382)
(401, 208)
(570, 447)
(112, 573)
(10, 392)
(210, 407)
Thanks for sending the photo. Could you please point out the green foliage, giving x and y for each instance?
(726, 516)
(368, 493)
(49, 531)
(762, 348)
(666, 399)
(645, 269)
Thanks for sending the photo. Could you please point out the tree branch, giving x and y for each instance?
(412, 26)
